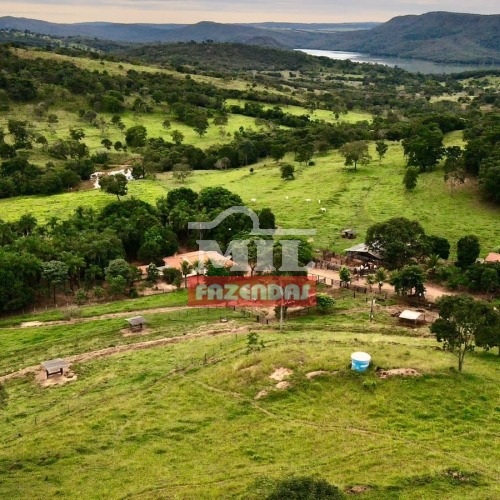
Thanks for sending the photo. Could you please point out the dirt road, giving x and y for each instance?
(432, 292)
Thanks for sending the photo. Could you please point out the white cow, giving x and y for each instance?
(323, 210)
(308, 200)
(253, 200)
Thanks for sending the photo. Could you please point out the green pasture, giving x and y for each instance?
(353, 199)
(182, 421)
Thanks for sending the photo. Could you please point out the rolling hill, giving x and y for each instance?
(284, 34)
(435, 36)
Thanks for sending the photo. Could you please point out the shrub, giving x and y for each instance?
(253, 343)
(98, 292)
(370, 385)
(305, 488)
(81, 297)
(170, 275)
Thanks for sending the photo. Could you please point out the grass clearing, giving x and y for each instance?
(30, 346)
(199, 433)
(176, 299)
(317, 114)
(353, 199)
(93, 136)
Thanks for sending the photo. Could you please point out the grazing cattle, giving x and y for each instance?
(323, 210)
(286, 197)
(308, 200)
(253, 200)
(319, 202)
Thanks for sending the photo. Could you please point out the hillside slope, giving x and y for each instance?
(437, 36)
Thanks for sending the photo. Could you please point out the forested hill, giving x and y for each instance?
(221, 57)
(437, 36)
(273, 34)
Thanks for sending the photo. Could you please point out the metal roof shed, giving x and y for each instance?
(363, 252)
(411, 316)
(137, 323)
(54, 366)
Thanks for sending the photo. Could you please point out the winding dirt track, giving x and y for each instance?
(432, 293)
(110, 351)
(140, 312)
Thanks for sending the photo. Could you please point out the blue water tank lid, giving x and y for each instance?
(362, 357)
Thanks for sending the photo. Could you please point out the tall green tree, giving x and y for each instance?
(410, 178)
(410, 280)
(424, 148)
(55, 274)
(398, 241)
(114, 184)
(287, 172)
(181, 172)
(381, 147)
(461, 321)
(468, 250)
(355, 153)
(136, 136)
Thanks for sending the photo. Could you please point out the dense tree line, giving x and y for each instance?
(403, 244)
(75, 254)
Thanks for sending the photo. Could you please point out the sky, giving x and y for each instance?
(234, 11)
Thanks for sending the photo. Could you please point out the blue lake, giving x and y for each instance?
(413, 65)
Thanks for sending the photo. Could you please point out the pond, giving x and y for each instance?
(412, 65)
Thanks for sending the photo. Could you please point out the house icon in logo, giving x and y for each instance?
(238, 249)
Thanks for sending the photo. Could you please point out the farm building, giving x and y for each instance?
(412, 317)
(193, 257)
(492, 257)
(137, 323)
(363, 252)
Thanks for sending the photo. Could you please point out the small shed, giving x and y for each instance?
(350, 234)
(492, 257)
(54, 366)
(412, 317)
(137, 323)
(363, 252)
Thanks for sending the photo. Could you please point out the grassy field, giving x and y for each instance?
(177, 299)
(352, 199)
(318, 114)
(93, 136)
(181, 420)
(122, 68)
(359, 199)
(163, 423)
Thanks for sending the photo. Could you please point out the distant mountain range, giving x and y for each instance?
(436, 36)
(179, 32)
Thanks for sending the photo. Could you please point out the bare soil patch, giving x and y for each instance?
(281, 374)
(398, 372)
(283, 385)
(356, 490)
(262, 394)
(31, 324)
(319, 373)
(54, 380)
(126, 332)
